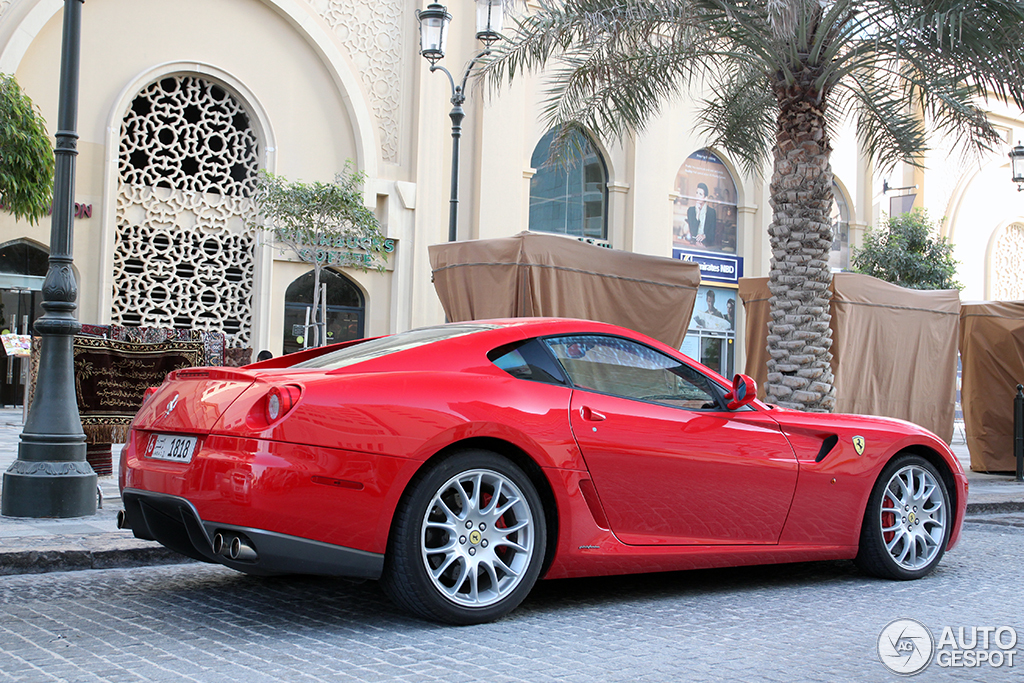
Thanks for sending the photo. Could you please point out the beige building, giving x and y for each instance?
(182, 102)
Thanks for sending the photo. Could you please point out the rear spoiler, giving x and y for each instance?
(215, 373)
(291, 359)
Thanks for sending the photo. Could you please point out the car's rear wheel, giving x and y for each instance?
(908, 519)
(468, 540)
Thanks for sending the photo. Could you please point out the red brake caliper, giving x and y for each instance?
(888, 518)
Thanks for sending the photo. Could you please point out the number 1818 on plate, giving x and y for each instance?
(173, 447)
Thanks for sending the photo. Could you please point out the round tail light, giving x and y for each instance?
(273, 405)
(280, 400)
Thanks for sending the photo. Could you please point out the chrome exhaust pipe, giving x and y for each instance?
(122, 520)
(219, 546)
(242, 551)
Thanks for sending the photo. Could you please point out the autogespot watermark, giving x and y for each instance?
(907, 647)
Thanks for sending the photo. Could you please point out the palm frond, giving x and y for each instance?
(741, 119)
(888, 129)
(978, 40)
(613, 64)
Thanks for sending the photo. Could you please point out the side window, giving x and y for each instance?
(527, 360)
(617, 366)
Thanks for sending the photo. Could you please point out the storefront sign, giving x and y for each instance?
(337, 250)
(713, 267)
(81, 210)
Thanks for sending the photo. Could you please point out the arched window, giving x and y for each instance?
(839, 257)
(569, 199)
(704, 215)
(346, 309)
(21, 257)
(183, 255)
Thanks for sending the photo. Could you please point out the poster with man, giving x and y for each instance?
(704, 212)
(715, 310)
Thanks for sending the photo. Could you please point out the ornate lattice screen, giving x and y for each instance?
(183, 256)
(1007, 266)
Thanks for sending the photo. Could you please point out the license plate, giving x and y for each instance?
(173, 447)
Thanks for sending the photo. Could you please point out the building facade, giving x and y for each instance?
(182, 103)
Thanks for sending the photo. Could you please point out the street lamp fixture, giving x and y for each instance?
(1017, 165)
(490, 19)
(434, 21)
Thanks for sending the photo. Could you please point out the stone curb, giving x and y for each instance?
(19, 562)
(1000, 506)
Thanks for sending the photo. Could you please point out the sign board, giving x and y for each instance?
(17, 344)
(713, 267)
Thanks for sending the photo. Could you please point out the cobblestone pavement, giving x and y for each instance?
(808, 622)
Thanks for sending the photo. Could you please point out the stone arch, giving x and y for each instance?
(183, 254)
(32, 16)
(266, 144)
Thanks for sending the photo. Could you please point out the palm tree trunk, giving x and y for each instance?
(799, 338)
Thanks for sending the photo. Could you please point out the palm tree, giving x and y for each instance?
(782, 75)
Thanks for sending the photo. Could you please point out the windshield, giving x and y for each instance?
(375, 348)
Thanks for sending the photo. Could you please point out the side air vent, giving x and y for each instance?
(826, 447)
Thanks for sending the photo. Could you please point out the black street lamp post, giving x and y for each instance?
(51, 477)
(434, 22)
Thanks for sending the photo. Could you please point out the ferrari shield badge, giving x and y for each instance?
(858, 444)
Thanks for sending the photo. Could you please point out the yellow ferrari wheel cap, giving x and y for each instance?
(474, 537)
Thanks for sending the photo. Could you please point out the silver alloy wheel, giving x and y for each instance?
(477, 538)
(913, 517)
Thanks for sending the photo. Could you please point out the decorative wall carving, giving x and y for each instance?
(183, 256)
(374, 31)
(1007, 267)
(187, 133)
(4, 4)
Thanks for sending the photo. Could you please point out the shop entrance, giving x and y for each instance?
(346, 309)
(22, 270)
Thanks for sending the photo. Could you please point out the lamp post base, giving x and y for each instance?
(49, 489)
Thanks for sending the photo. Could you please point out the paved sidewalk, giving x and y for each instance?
(29, 546)
(45, 545)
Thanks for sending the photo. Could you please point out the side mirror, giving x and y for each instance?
(744, 390)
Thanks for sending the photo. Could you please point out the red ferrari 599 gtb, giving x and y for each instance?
(460, 463)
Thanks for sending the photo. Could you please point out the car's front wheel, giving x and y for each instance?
(468, 540)
(908, 519)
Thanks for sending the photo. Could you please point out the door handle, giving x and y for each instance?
(587, 414)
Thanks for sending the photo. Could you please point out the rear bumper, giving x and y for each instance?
(175, 523)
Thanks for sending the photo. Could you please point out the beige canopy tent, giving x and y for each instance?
(992, 353)
(548, 275)
(893, 349)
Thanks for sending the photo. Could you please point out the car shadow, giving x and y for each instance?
(323, 603)
(606, 591)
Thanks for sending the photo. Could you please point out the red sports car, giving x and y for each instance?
(460, 463)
